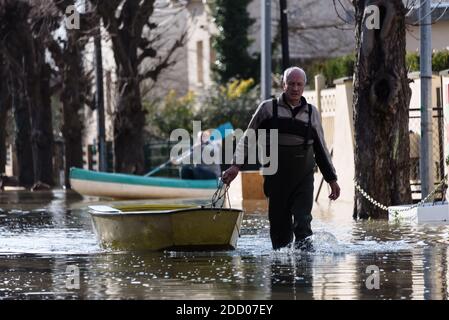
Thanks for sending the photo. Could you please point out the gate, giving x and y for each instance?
(437, 146)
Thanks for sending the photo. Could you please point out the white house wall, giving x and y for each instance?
(445, 83)
(314, 41)
(172, 23)
(200, 30)
(303, 44)
(440, 37)
(90, 136)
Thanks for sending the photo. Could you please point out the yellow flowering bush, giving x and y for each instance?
(171, 113)
(235, 102)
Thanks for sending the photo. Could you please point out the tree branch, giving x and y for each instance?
(143, 15)
(316, 27)
(107, 9)
(63, 4)
(146, 53)
(56, 52)
(153, 74)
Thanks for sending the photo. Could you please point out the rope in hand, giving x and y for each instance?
(219, 194)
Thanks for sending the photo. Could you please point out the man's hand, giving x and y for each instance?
(230, 174)
(335, 190)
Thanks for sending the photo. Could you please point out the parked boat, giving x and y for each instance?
(160, 227)
(128, 186)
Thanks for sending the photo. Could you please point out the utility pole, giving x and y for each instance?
(426, 162)
(284, 35)
(99, 100)
(265, 49)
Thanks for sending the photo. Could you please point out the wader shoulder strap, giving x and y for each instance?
(309, 127)
(275, 114)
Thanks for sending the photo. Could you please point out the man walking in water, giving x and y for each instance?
(301, 145)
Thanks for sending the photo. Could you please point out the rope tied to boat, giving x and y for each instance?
(220, 194)
(365, 194)
(219, 198)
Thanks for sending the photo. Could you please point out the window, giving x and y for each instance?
(199, 62)
(212, 53)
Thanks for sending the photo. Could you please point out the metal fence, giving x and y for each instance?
(158, 153)
(437, 148)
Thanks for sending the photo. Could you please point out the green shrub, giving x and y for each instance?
(332, 69)
(234, 102)
(171, 113)
(412, 61)
(440, 61)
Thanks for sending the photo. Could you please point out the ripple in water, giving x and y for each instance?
(49, 241)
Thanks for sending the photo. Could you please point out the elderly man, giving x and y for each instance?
(300, 144)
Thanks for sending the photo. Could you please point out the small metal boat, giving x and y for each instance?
(166, 227)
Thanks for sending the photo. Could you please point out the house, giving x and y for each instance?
(312, 34)
(440, 27)
(317, 29)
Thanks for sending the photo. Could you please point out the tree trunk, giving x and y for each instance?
(45, 141)
(15, 31)
(39, 98)
(3, 113)
(75, 86)
(4, 107)
(128, 128)
(126, 32)
(29, 75)
(130, 118)
(23, 133)
(72, 102)
(381, 109)
(131, 33)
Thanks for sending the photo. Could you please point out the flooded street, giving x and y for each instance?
(45, 235)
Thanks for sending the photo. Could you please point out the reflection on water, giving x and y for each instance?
(41, 234)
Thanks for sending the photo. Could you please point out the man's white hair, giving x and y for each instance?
(290, 70)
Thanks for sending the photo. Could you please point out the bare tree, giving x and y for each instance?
(381, 101)
(315, 31)
(129, 27)
(29, 81)
(74, 81)
(5, 105)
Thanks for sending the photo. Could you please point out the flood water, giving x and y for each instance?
(46, 235)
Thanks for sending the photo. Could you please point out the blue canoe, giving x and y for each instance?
(128, 186)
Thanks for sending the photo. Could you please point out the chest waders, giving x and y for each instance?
(290, 189)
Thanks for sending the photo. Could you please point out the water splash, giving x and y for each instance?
(324, 242)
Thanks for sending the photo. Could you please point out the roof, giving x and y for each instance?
(440, 12)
